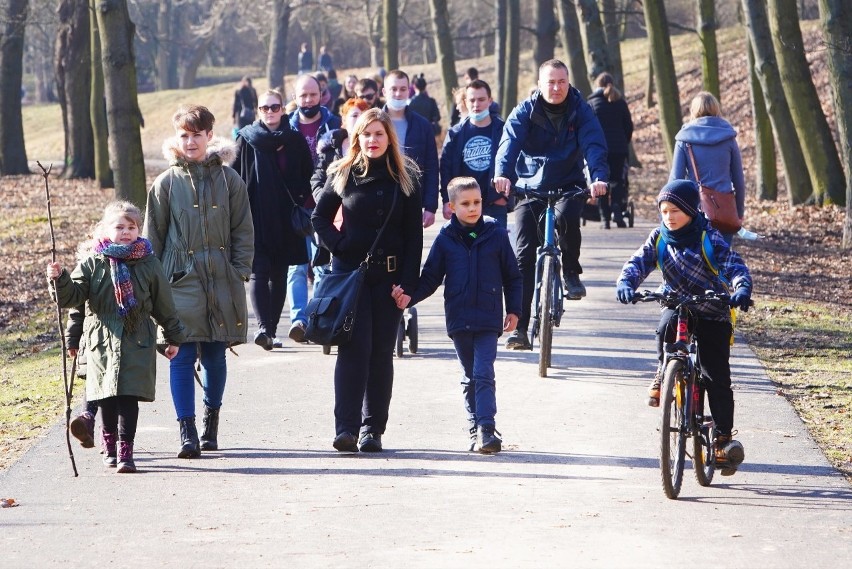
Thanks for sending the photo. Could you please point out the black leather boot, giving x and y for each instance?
(188, 438)
(209, 438)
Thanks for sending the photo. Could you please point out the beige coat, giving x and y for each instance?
(199, 223)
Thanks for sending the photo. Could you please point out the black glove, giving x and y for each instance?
(741, 299)
(625, 293)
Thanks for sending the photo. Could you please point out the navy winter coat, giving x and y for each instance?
(475, 278)
(530, 142)
(419, 145)
(615, 121)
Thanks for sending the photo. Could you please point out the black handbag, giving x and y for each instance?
(300, 218)
(331, 312)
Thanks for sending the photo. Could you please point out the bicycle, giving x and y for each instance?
(549, 294)
(682, 397)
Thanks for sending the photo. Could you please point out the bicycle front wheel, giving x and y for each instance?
(703, 454)
(546, 295)
(673, 427)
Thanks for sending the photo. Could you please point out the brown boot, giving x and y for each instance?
(654, 388)
(729, 454)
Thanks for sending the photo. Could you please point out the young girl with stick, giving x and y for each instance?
(123, 285)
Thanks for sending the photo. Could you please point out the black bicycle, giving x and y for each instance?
(549, 295)
(685, 414)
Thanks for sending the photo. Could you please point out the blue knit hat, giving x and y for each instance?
(682, 193)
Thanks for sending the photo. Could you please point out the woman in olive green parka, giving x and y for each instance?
(199, 223)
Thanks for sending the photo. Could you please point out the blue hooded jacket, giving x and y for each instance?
(530, 142)
(717, 155)
(475, 278)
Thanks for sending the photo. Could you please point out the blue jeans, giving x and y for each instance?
(476, 352)
(297, 285)
(213, 373)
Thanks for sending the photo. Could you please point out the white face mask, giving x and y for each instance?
(479, 116)
(396, 104)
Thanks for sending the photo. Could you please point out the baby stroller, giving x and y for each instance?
(619, 207)
(407, 329)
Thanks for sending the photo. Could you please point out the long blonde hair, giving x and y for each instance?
(402, 169)
(704, 104)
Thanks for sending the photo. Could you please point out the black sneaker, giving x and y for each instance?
(488, 441)
(370, 442)
(297, 332)
(262, 340)
(472, 441)
(518, 340)
(574, 289)
(345, 442)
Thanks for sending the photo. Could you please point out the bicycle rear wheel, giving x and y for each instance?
(703, 457)
(546, 295)
(673, 428)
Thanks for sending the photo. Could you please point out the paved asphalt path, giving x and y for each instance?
(577, 484)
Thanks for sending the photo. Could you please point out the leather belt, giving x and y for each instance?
(389, 262)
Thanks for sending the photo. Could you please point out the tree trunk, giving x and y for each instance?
(594, 39)
(709, 50)
(166, 57)
(664, 73)
(444, 48)
(13, 154)
(500, 40)
(125, 144)
(276, 63)
(545, 32)
(836, 17)
(73, 79)
(197, 55)
(649, 91)
(513, 53)
(766, 176)
(391, 32)
(97, 106)
(826, 172)
(572, 41)
(612, 32)
(795, 169)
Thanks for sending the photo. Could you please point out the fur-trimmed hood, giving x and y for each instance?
(220, 150)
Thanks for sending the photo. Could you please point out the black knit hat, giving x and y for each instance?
(682, 193)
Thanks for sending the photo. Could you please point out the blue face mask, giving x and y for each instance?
(309, 112)
(479, 116)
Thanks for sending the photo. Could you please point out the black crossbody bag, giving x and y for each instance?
(332, 311)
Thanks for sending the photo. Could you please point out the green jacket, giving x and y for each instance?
(199, 223)
(119, 363)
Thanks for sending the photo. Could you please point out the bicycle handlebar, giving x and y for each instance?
(674, 300)
(571, 193)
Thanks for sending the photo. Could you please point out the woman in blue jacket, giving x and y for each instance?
(717, 156)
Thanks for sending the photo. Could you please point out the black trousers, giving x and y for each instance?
(121, 414)
(617, 193)
(529, 230)
(714, 353)
(268, 291)
(363, 375)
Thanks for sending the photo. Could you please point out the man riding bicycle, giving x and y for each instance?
(553, 131)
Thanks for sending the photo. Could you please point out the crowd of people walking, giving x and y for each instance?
(362, 156)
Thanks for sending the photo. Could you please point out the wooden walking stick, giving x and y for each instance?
(69, 384)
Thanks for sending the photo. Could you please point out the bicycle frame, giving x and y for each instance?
(549, 248)
(689, 391)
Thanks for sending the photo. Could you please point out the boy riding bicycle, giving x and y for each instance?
(693, 257)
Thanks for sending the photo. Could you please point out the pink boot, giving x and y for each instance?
(108, 442)
(125, 457)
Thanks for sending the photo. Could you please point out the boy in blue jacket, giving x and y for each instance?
(474, 254)
(680, 242)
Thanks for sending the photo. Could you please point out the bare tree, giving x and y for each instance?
(709, 50)
(167, 50)
(766, 174)
(500, 39)
(276, 64)
(545, 36)
(594, 39)
(664, 73)
(509, 97)
(97, 106)
(444, 47)
(766, 68)
(13, 155)
(836, 16)
(391, 33)
(125, 144)
(612, 31)
(73, 78)
(572, 41)
(824, 168)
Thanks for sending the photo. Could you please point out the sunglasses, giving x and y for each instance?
(271, 108)
(368, 96)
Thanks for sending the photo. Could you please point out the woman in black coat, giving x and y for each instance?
(273, 160)
(364, 182)
(614, 116)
